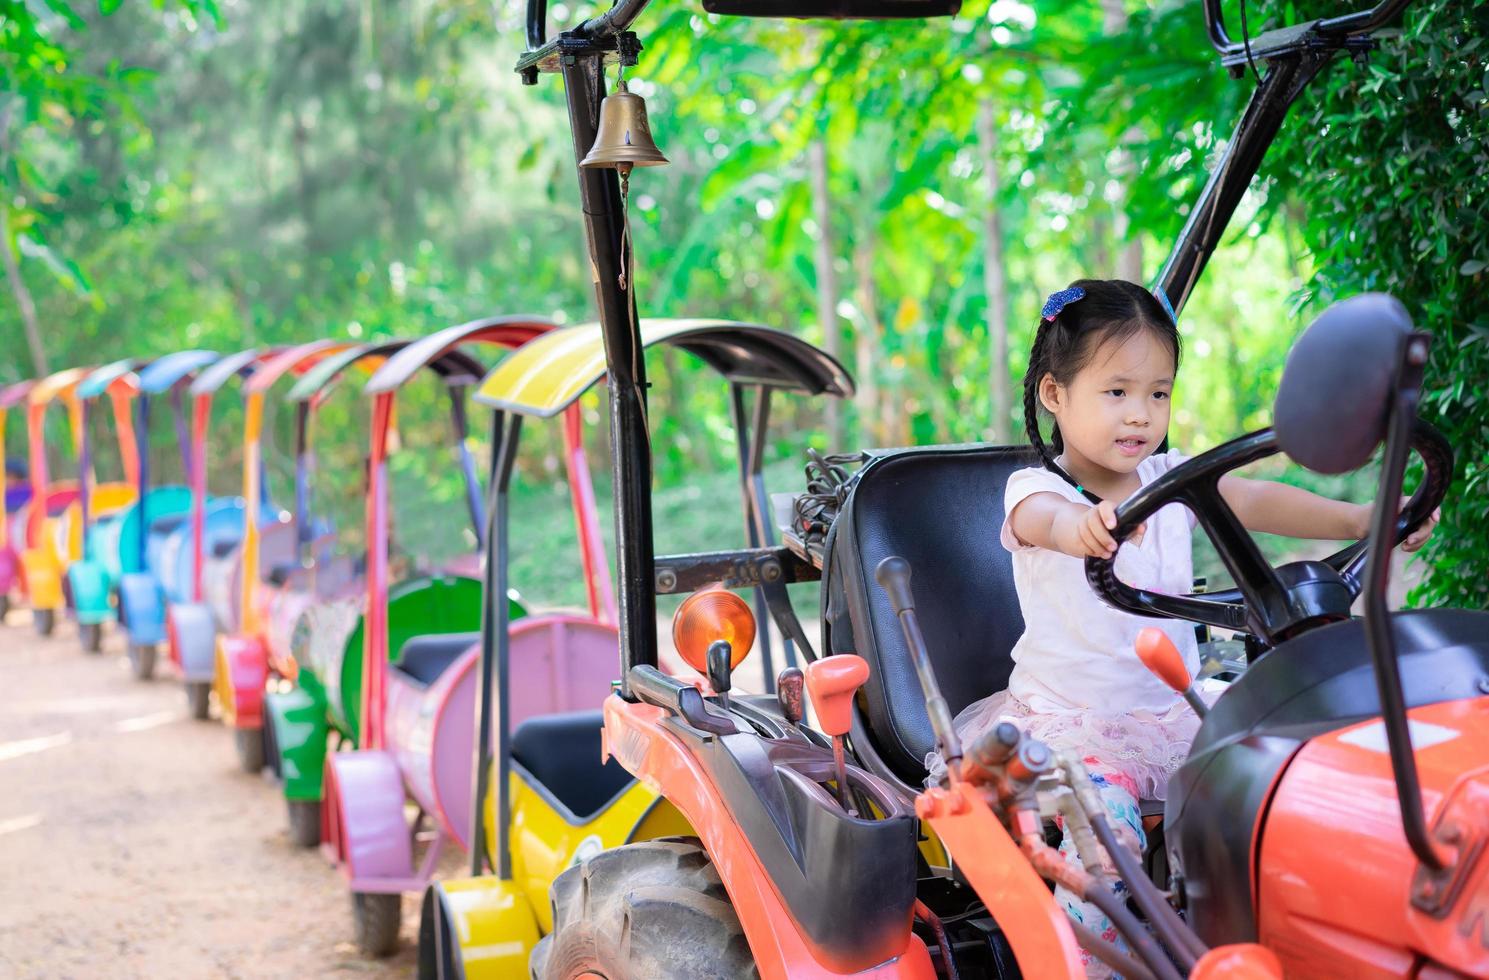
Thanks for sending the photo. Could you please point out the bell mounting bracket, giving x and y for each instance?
(622, 49)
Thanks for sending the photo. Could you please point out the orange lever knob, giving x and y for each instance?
(1158, 653)
(832, 682)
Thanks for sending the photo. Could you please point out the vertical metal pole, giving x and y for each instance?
(142, 439)
(375, 621)
(745, 444)
(1378, 628)
(630, 446)
(495, 667)
(183, 431)
(473, 500)
(764, 516)
(85, 463)
(201, 414)
(36, 432)
(301, 518)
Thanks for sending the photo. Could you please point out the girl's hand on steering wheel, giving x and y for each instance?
(1094, 532)
(1419, 537)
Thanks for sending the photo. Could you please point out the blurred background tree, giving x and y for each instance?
(191, 174)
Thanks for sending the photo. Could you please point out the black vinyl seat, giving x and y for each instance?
(424, 659)
(562, 754)
(940, 508)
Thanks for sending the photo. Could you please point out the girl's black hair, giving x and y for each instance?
(1112, 309)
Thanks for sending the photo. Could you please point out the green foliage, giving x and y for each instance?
(1390, 163)
(289, 169)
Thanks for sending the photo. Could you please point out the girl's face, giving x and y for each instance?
(1114, 412)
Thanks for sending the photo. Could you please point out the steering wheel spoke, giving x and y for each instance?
(1266, 599)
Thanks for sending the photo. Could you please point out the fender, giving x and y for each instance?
(298, 721)
(476, 928)
(193, 633)
(637, 736)
(142, 602)
(89, 581)
(241, 671)
(363, 827)
(43, 578)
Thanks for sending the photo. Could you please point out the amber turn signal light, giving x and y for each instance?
(710, 615)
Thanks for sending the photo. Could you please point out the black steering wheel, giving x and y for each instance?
(1270, 603)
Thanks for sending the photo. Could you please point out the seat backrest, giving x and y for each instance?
(941, 509)
(424, 659)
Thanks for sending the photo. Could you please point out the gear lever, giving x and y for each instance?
(1161, 657)
(720, 667)
(832, 682)
(789, 691)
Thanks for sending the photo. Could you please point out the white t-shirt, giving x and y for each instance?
(1078, 653)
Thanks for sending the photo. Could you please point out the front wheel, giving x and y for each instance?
(91, 636)
(142, 660)
(250, 744)
(199, 698)
(45, 620)
(305, 822)
(652, 909)
(377, 918)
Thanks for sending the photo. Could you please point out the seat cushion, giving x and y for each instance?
(941, 509)
(424, 658)
(562, 753)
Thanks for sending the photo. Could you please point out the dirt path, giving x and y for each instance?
(130, 844)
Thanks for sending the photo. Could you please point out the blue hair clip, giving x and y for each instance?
(1058, 301)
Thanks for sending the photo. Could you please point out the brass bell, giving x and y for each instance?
(623, 139)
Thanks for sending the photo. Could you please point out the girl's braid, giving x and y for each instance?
(1037, 370)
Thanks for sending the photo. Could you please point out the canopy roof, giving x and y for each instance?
(294, 360)
(371, 357)
(56, 385)
(548, 374)
(503, 331)
(163, 373)
(98, 382)
(217, 375)
(14, 394)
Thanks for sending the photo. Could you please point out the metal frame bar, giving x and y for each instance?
(1355, 23)
(142, 440)
(495, 649)
(85, 471)
(1285, 80)
(1406, 394)
(304, 459)
(474, 501)
(751, 453)
(630, 444)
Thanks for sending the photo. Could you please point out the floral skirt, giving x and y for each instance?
(1146, 747)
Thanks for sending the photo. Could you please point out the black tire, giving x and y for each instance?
(91, 636)
(643, 912)
(272, 758)
(199, 698)
(4, 606)
(377, 919)
(305, 822)
(142, 660)
(45, 620)
(250, 743)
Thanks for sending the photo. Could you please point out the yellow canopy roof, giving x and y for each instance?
(546, 375)
(56, 385)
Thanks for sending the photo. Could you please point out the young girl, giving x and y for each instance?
(1103, 365)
